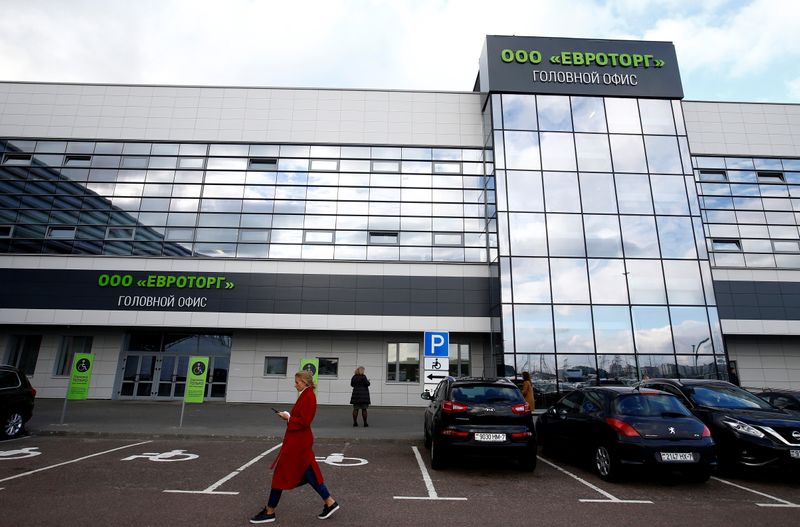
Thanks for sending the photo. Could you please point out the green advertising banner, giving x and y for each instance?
(80, 376)
(311, 365)
(196, 380)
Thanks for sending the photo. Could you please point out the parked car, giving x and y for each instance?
(479, 416)
(621, 427)
(16, 401)
(748, 431)
(785, 399)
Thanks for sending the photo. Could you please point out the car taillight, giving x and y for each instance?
(454, 407)
(33, 391)
(455, 433)
(622, 427)
(706, 431)
(521, 434)
(523, 408)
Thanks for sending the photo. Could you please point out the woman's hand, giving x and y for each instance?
(284, 415)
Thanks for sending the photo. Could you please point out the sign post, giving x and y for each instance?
(80, 377)
(195, 383)
(436, 360)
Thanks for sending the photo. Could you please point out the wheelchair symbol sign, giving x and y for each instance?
(20, 453)
(338, 460)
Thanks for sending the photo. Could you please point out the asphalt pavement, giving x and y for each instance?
(106, 418)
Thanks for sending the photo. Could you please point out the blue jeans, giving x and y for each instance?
(308, 477)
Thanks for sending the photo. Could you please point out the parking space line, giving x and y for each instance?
(432, 495)
(781, 503)
(609, 497)
(212, 489)
(72, 461)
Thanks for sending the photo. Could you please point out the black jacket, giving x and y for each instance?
(360, 385)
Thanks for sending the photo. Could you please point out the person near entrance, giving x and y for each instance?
(296, 464)
(527, 390)
(360, 397)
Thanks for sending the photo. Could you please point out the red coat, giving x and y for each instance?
(296, 454)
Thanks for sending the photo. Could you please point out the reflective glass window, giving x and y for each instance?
(558, 151)
(527, 234)
(676, 236)
(639, 238)
(561, 192)
(602, 236)
(633, 194)
(654, 366)
(623, 116)
(554, 113)
(534, 329)
(574, 369)
(607, 281)
(656, 116)
(522, 150)
(651, 329)
(690, 330)
(564, 234)
(627, 152)
(662, 154)
(597, 193)
(524, 191)
(569, 280)
(531, 282)
(669, 195)
(612, 330)
(519, 112)
(573, 329)
(646, 282)
(593, 152)
(588, 114)
(684, 285)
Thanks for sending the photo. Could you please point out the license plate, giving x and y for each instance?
(795, 454)
(677, 457)
(490, 437)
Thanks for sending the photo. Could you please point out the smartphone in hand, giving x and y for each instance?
(276, 411)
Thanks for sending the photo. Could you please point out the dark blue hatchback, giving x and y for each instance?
(618, 428)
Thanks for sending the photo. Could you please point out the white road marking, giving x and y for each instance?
(609, 497)
(212, 489)
(72, 461)
(432, 495)
(781, 503)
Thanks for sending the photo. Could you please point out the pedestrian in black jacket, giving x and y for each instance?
(360, 398)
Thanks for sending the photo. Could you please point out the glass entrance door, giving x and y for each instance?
(138, 372)
(163, 376)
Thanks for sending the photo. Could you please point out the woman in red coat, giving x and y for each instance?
(295, 464)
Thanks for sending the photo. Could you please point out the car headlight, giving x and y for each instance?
(742, 428)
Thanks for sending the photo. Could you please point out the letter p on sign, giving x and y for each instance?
(437, 343)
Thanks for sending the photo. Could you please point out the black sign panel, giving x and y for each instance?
(245, 293)
(569, 66)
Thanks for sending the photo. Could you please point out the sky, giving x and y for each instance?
(727, 50)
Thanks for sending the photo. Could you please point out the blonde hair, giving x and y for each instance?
(305, 376)
(360, 370)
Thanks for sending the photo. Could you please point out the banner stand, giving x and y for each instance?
(195, 383)
(79, 378)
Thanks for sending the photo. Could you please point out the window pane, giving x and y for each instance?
(623, 116)
(576, 368)
(531, 280)
(527, 234)
(554, 113)
(684, 285)
(602, 235)
(558, 151)
(607, 281)
(656, 116)
(646, 282)
(691, 331)
(633, 194)
(569, 280)
(534, 329)
(519, 112)
(524, 191)
(651, 329)
(597, 193)
(565, 235)
(588, 114)
(662, 154)
(573, 327)
(612, 329)
(639, 236)
(561, 192)
(669, 195)
(676, 236)
(653, 366)
(593, 153)
(522, 150)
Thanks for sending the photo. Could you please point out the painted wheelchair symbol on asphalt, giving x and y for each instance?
(338, 460)
(20, 453)
(172, 455)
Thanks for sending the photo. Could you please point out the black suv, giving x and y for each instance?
(479, 416)
(748, 431)
(781, 398)
(16, 401)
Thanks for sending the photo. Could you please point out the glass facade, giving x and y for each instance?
(243, 201)
(751, 208)
(602, 262)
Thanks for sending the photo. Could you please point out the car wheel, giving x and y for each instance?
(438, 455)
(527, 461)
(605, 463)
(12, 424)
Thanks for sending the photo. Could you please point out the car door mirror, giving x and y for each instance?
(552, 411)
(426, 395)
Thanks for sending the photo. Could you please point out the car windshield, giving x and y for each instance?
(723, 396)
(642, 405)
(483, 394)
